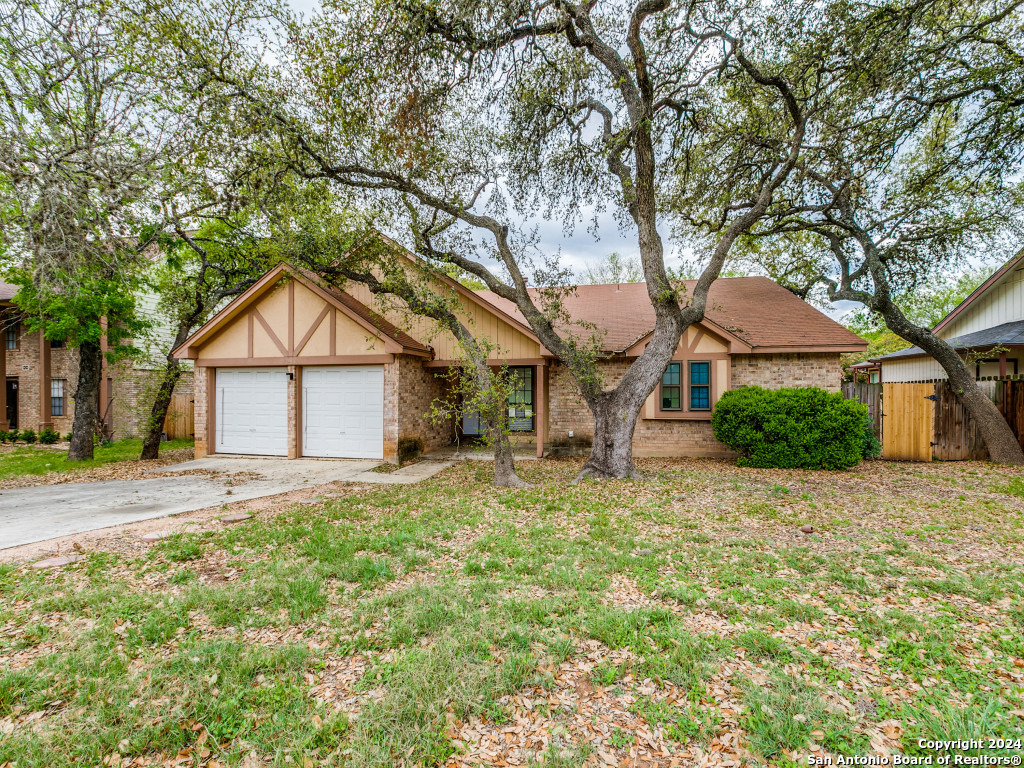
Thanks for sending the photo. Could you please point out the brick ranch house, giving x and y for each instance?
(41, 377)
(295, 368)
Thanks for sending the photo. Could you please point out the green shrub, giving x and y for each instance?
(870, 447)
(409, 448)
(68, 436)
(29, 436)
(14, 435)
(802, 428)
(4, 436)
(48, 436)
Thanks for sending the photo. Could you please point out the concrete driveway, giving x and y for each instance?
(35, 514)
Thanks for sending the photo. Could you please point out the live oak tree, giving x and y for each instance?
(465, 119)
(915, 168)
(198, 271)
(77, 152)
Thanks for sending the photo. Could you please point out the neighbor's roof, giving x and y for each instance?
(1005, 335)
(7, 291)
(758, 311)
(981, 290)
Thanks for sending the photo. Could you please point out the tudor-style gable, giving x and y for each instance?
(286, 318)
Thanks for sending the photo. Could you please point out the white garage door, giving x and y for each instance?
(343, 411)
(252, 411)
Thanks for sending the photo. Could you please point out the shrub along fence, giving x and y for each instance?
(944, 430)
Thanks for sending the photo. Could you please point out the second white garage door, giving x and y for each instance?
(343, 411)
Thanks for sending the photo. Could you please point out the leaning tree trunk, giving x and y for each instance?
(616, 411)
(504, 460)
(1002, 444)
(494, 411)
(162, 401)
(158, 413)
(90, 360)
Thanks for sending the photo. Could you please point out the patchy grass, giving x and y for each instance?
(40, 460)
(679, 617)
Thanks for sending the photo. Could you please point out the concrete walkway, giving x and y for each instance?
(35, 514)
(412, 473)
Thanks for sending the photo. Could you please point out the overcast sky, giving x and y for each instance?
(580, 248)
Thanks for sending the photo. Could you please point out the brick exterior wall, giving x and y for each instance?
(133, 388)
(800, 369)
(202, 394)
(23, 365)
(410, 388)
(665, 437)
(418, 388)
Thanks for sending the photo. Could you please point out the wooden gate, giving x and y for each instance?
(180, 421)
(907, 421)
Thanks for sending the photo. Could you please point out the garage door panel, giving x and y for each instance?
(252, 411)
(343, 411)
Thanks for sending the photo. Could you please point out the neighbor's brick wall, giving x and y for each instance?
(133, 392)
(23, 365)
(802, 369)
(661, 437)
(133, 388)
(418, 388)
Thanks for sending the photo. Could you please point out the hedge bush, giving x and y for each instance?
(48, 436)
(803, 428)
(28, 436)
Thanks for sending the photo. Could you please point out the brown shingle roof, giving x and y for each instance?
(757, 310)
(7, 291)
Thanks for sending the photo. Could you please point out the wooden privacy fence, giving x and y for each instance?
(180, 422)
(869, 395)
(921, 421)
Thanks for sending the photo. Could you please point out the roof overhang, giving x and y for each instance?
(190, 349)
(978, 292)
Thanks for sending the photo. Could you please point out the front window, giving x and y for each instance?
(700, 386)
(520, 399)
(11, 336)
(57, 397)
(671, 388)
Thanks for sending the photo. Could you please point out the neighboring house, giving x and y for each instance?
(41, 377)
(869, 370)
(987, 328)
(293, 367)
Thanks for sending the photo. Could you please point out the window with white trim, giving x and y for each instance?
(56, 397)
(520, 399)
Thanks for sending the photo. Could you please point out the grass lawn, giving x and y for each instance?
(678, 620)
(32, 460)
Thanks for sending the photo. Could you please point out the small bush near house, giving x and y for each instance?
(67, 437)
(805, 428)
(28, 436)
(13, 436)
(4, 435)
(49, 436)
(409, 448)
(870, 447)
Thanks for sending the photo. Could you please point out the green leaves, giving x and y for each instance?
(805, 428)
